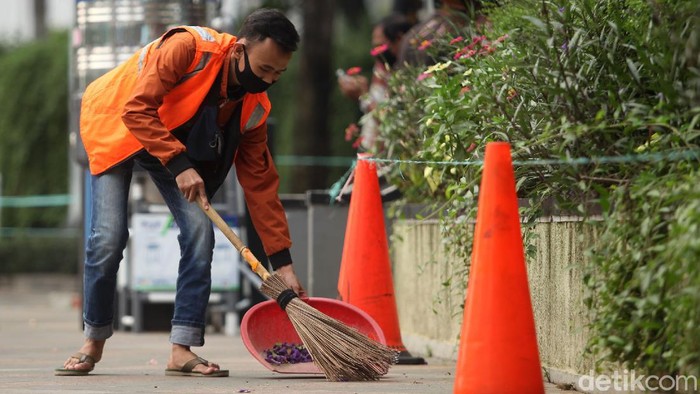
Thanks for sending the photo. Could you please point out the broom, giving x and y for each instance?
(341, 352)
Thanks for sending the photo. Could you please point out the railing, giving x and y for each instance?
(35, 201)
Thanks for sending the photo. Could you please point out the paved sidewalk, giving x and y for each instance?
(39, 328)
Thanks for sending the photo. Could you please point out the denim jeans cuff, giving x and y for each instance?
(186, 335)
(98, 333)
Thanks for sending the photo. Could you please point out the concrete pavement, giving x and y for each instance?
(39, 328)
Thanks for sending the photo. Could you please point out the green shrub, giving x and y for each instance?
(615, 80)
(645, 278)
(25, 254)
(33, 127)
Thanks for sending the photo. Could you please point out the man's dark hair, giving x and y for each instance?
(394, 26)
(270, 23)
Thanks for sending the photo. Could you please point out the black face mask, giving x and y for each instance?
(387, 57)
(250, 82)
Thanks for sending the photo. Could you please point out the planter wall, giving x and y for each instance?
(430, 295)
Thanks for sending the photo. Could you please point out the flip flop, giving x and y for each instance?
(187, 370)
(82, 358)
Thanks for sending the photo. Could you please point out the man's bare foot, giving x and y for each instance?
(180, 355)
(92, 348)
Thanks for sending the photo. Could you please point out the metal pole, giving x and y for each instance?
(39, 19)
(0, 199)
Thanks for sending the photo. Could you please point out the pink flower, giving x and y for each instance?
(424, 45)
(487, 49)
(353, 71)
(378, 50)
(464, 90)
(502, 38)
(357, 142)
(351, 131)
(469, 54)
(471, 147)
(422, 77)
(465, 53)
(456, 40)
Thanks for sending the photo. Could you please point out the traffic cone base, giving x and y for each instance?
(406, 358)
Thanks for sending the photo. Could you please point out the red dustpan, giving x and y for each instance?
(266, 324)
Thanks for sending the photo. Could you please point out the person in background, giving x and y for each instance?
(185, 108)
(450, 17)
(386, 40)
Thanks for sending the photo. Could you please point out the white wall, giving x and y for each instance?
(17, 23)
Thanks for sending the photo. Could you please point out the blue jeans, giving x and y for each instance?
(108, 238)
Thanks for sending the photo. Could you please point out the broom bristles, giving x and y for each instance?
(341, 352)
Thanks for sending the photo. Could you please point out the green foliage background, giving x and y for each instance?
(573, 79)
(32, 254)
(33, 127)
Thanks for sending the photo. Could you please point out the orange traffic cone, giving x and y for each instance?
(498, 336)
(365, 272)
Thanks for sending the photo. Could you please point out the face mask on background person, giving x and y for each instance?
(250, 82)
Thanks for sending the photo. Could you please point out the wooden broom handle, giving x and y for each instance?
(248, 256)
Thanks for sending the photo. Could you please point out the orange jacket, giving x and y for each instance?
(160, 89)
(109, 142)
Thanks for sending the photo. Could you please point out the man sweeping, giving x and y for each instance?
(185, 108)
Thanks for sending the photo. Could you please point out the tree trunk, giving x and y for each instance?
(316, 83)
(354, 10)
(39, 19)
